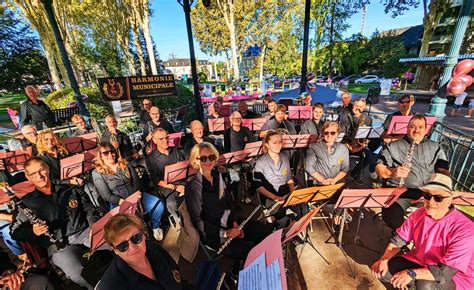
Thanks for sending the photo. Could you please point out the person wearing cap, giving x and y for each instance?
(405, 103)
(442, 256)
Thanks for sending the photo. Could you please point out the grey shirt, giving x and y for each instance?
(318, 159)
(427, 157)
(272, 124)
(267, 173)
(311, 127)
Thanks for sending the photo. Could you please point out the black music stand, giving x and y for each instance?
(64, 114)
(218, 125)
(178, 171)
(364, 198)
(13, 160)
(255, 148)
(255, 124)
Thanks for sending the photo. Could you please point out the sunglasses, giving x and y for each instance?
(123, 246)
(437, 198)
(404, 102)
(205, 158)
(327, 133)
(106, 153)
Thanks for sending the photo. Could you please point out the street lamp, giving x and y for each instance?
(48, 6)
(186, 4)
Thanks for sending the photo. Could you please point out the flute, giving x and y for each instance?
(241, 226)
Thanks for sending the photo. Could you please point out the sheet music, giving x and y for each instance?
(254, 277)
(274, 276)
(367, 132)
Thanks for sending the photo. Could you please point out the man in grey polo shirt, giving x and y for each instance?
(427, 158)
(278, 122)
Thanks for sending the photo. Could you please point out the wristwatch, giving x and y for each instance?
(412, 274)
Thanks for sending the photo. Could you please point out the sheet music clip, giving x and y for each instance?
(178, 171)
(255, 124)
(300, 112)
(399, 125)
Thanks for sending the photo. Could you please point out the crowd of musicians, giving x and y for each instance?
(63, 210)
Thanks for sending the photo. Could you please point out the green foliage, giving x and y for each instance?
(97, 106)
(202, 76)
(392, 68)
(379, 50)
(167, 104)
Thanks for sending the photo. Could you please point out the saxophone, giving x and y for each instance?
(151, 144)
(407, 161)
(96, 128)
(359, 144)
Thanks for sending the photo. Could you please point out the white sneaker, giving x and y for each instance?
(467, 116)
(158, 234)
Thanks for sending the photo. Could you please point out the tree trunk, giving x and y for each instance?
(216, 75)
(262, 60)
(227, 10)
(136, 42)
(227, 64)
(149, 42)
(53, 70)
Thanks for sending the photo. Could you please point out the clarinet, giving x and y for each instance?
(407, 161)
(18, 203)
(151, 145)
(241, 226)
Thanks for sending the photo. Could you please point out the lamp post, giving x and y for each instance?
(48, 6)
(304, 64)
(438, 103)
(197, 97)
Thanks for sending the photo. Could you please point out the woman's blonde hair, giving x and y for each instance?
(58, 146)
(269, 135)
(196, 150)
(100, 165)
(330, 124)
(120, 223)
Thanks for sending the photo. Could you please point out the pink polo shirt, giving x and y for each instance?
(449, 241)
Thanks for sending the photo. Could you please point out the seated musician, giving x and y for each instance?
(144, 114)
(443, 244)
(11, 277)
(314, 125)
(271, 105)
(197, 137)
(350, 124)
(279, 122)
(236, 136)
(51, 150)
(155, 122)
(156, 161)
(405, 104)
(68, 214)
(245, 112)
(307, 100)
(31, 138)
(115, 180)
(211, 208)
(427, 157)
(346, 107)
(118, 139)
(81, 125)
(138, 263)
(213, 112)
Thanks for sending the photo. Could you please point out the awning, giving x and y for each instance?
(433, 59)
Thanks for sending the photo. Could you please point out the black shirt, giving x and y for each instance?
(344, 110)
(190, 142)
(67, 211)
(250, 115)
(165, 125)
(350, 124)
(5, 263)
(125, 144)
(54, 164)
(156, 163)
(120, 276)
(25, 143)
(144, 116)
(36, 113)
(236, 140)
(79, 132)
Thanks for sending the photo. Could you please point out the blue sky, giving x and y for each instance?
(168, 26)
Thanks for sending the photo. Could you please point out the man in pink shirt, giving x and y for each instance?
(442, 256)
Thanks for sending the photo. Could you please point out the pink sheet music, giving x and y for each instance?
(300, 225)
(14, 160)
(254, 124)
(97, 229)
(399, 125)
(379, 198)
(296, 141)
(271, 245)
(463, 198)
(80, 143)
(174, 139)
(254, 148)
(300, 112)
(219, 124)
(178, 171)
(71, 166)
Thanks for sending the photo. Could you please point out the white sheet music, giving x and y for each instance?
(254, 277)
(367, 132)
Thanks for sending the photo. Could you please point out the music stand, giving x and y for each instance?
(296, 141)
(463, 198)
(340, 136)
(368, 132)
(365, 198)
(174, 139)
(71, 166)
(218, 125)
(255, 124)
(399, 125)
(233, 157)
(254, 148)
(14, 160)
(80, 143)
(315, 193)
(300, 112)
(178, 171)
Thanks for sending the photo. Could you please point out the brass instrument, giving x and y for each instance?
(96, 128)
(113, 139)
(407, 161)
(359, 144)
(151, 144)
(241, 226)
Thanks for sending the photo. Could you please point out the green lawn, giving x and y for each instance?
(467, 209)
(10, 100)
(362, 88)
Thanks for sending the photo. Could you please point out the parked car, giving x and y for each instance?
(337, 78)
(350, 79)
(368, 79)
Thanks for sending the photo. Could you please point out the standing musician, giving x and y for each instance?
(155, 122)
(405, 103)
(156, 162)
(350, 124)
(31, 136)
(35, 111)
(236, 136)
(51, 151)
(442, 256)
(144, 114)
(118, 139)
(314, 125)
(138, 263)
(68, 214)
(115, 180)
(197, 137)
(81, 125)
(211, 208)
(425, 158)
(245, 112)
(346, 107)
(279, 122)
(271, 105)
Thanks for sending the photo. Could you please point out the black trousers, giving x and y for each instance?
(394, 216)
(37, 282)
(397, 264)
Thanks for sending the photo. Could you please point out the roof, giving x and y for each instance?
(178, 62)
(411, 36)
(433, 59)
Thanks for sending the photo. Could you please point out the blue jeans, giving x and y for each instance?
(152, 205)
(13, 245)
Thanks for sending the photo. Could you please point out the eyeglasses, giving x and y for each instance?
(327, 133)
(404, 102)
(106, 153)
(31, 133)
(123, 246)
(205, 158)
(437, 198)
(41, 171)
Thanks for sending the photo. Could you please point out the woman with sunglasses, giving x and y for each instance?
(138, 264)
(210, 208)
(115, 180)
(51, 151)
